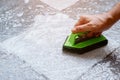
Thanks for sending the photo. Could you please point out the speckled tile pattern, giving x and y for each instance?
(16, 17)
(59, 4)
(34, 46)
(12, 68)
(89, 7)
(106, 69)
(32, 33)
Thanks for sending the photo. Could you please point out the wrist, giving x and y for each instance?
(108, 20)
(109, 17)
(113, 16)
(115, 12)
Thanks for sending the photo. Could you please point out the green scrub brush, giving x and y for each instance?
(79, 43)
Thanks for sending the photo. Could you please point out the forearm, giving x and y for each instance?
(115, 12)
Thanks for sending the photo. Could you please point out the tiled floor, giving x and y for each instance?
(32, 33)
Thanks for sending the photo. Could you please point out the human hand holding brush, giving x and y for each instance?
(96, 24)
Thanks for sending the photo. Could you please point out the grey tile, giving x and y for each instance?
(40, 48)
(106, 69)
(13, 68)
(89, 7)
(16, 16)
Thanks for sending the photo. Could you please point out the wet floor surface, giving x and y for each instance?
(32, 33)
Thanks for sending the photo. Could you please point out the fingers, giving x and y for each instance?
(87, 27)
(98, 34)
(83, 28)
(82, 25)
(94, 34)
(89, 23)
(81, 21)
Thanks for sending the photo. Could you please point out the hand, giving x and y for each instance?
(95, 24)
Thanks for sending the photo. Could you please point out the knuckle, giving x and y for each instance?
(78, 28)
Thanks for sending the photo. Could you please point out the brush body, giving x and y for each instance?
(78, 44)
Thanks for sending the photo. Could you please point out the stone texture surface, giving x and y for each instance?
(13, 68)
(61, 4)
(32, 34)
(106, 69)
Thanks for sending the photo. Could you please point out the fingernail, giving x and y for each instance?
(73, 30)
